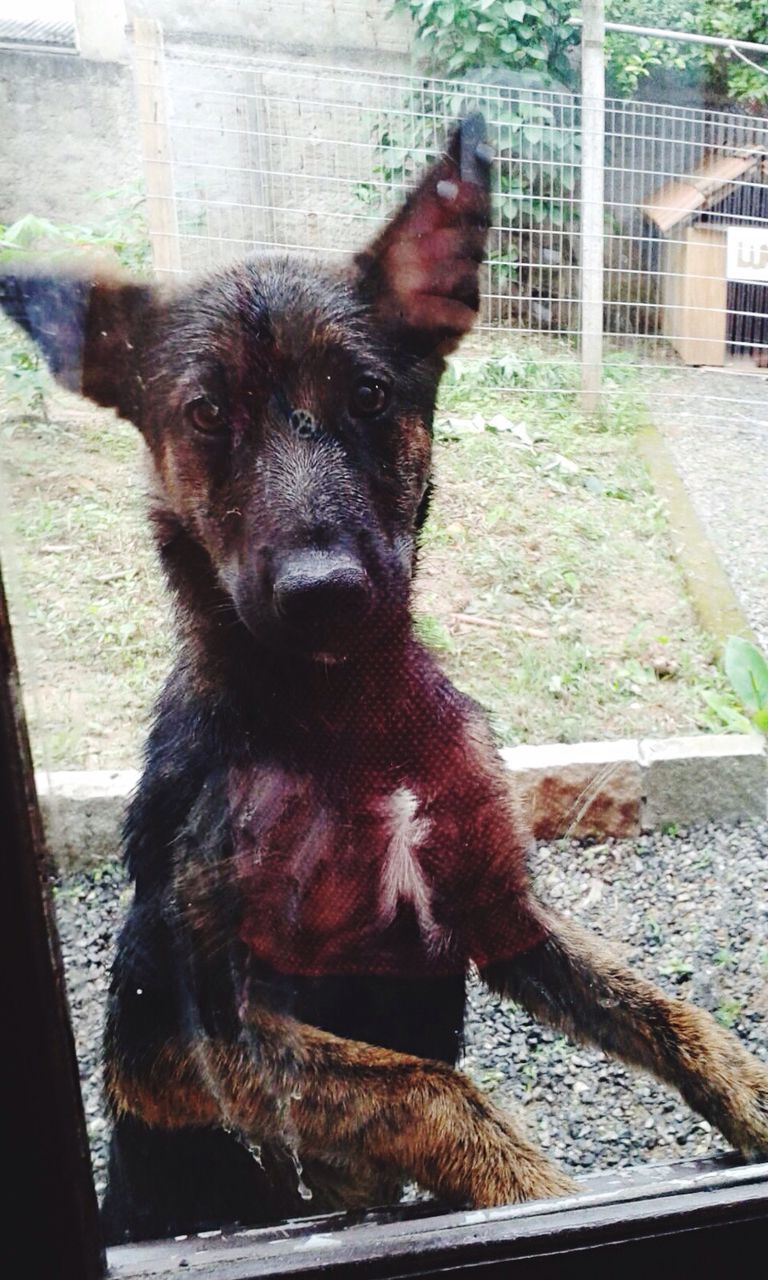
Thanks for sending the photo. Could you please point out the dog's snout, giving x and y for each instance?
(321, 590)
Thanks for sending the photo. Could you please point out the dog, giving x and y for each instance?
(324, 840)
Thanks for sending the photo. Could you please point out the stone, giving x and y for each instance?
(714, 777)
(578, 789)
(83, 812)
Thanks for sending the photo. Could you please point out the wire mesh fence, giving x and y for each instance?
(266, 155)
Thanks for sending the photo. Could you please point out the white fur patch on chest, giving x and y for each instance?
(402, 878)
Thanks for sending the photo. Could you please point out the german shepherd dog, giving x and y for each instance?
(323, 841)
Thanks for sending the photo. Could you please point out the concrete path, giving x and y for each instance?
(715, 424)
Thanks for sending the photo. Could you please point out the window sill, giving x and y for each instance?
(652, 1206)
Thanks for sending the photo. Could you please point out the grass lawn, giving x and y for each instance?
(546, 580)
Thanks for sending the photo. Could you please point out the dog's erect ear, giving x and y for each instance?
(422, 271)
(90, 329)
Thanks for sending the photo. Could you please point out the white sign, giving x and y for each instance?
(746, 255)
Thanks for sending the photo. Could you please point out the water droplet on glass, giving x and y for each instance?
(304, 1190)
(254, 1149)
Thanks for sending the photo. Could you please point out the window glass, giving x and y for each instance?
(383, 481)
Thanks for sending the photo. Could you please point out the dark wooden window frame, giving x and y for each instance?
(699, 1214)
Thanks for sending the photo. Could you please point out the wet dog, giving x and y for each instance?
(323, 841)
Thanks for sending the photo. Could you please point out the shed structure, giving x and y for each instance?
(714, 260)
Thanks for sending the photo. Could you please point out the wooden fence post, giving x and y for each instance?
(592, 200)
(149, 77)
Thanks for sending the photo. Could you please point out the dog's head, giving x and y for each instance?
(287, 407)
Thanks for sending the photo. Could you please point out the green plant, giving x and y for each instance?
(120, 233)
(677, 968)
(431, 632)
(630, 58)
(460, 35)
(727, 1013)
(497, 52)
(537, 146)
(744, 705)
(747, 671)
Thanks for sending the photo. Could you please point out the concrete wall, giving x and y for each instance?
(69, 132)
(70, 126)
(334, 29)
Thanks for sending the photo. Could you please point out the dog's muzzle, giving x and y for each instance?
(321, 596)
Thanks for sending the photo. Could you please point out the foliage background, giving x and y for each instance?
(458, 36)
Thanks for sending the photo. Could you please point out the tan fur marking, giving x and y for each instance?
(416, 1118)
(586, 991)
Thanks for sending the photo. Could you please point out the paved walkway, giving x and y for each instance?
(716, 427)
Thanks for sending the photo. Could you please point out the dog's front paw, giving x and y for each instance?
(519, 1177)
(749, 1106)
(507, 1168)
(732, 1093)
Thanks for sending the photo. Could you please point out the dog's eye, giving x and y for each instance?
(205, 416)
(369, 397)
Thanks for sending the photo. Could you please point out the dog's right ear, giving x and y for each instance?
(421, 274)
(90, 328)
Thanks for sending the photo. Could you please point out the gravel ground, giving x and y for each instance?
(716, 425)
(689, 909)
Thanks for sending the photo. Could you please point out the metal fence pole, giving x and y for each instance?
(592, 200)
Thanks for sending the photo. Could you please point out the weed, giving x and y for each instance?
(747, 671)
(677, 968)
(727, 1013)
(432, 632)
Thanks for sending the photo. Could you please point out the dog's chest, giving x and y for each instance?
(340, 884)
(367, 879)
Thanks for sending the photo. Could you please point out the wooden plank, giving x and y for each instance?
(674, 264)
(700, 319)
(149, 79)
(676, 201)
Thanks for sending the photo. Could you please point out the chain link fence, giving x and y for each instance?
(247, 155)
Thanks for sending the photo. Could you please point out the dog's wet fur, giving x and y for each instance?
(323, 840)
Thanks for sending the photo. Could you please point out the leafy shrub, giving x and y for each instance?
(459, 35)
(630, 58)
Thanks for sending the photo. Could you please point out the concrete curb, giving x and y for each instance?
(616, 788)
(712, 595)
(631, 785)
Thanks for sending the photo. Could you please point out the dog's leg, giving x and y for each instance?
(572, 980)
(324, 1094)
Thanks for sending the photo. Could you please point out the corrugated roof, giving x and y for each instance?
(677, 201)
(52, 35)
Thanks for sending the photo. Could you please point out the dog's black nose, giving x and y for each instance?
(320, 592)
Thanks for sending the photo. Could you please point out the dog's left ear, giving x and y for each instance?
(89, 326)
(421, 274)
